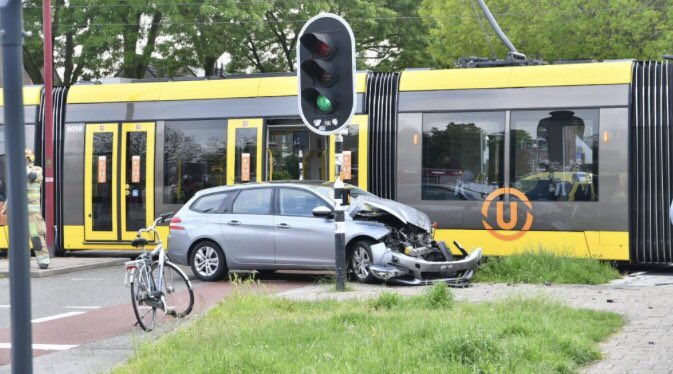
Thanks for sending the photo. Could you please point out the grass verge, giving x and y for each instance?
(330, 280)
(390, 334)
(541, 267)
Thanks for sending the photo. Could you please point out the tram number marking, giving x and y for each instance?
(74, 128)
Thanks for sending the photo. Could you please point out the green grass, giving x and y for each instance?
(390, 334)
(541, 267)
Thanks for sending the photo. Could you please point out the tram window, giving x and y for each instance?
(463, 155)
(246, 143)
(195, 157)
(555, 154)
(30, 143)
(351, 142)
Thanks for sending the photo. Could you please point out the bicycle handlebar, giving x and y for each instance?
(153, 227)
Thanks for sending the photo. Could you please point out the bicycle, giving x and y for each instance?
(157, 284)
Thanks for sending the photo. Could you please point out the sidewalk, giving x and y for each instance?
(63, 265)
(644, 345)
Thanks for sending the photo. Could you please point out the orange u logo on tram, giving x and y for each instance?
(512, 223)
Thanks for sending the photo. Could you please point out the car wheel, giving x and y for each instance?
(207, 261)
(360, 261)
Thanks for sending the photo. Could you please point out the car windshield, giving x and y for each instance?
(353, 191)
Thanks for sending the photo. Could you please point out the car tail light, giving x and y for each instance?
(174, 224)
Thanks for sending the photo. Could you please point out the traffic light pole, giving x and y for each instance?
(340, 218)
(11, 39)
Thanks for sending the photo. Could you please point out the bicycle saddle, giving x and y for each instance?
(139, 242)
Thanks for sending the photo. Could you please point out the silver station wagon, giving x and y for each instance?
(290, 226)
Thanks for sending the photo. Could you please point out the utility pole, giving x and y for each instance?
(11, 39)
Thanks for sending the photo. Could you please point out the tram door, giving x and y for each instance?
(244, 151)
(118, 180)
(293, 151)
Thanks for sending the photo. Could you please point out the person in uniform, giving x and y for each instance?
(36, 226)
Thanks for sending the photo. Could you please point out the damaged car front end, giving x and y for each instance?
(407, 253)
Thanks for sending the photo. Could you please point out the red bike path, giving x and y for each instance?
(104, 323)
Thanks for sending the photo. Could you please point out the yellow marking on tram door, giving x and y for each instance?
(73, 239)
(90, 185)
(124, 192)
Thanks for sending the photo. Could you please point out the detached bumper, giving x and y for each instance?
(399, 268)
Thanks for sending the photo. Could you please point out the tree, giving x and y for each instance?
(94, 39)
(261, 36)
(549, 30)
(122, 38)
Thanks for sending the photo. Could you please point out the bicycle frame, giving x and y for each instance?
(151, 291)
(146, 262)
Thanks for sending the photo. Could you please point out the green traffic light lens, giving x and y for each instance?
(324, 104)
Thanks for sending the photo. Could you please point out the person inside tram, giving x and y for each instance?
(188, 187)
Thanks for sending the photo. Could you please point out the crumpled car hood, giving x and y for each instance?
(406, 214)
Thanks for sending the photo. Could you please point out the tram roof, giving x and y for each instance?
(582, 74)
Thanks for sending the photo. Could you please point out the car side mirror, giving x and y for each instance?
(322, 212)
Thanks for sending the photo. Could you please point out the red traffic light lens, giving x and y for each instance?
(319, 45)
(322, 49)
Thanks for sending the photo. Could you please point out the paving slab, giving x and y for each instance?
(64, 265)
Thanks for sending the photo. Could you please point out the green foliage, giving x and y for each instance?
(281, 175)
(438, 296)
(291, 162)
(390, 334)
(387, 300)
(549, 30)
(541, 267)
(94, 39)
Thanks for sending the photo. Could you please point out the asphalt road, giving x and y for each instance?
(82, 308)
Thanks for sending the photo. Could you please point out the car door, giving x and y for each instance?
(301, 239)
(247, 228)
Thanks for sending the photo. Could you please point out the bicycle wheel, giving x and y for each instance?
(141, 286)
(177, 290)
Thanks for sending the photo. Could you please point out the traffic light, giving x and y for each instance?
(326, 73)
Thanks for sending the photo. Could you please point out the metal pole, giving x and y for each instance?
(301, 165)
(11, 38)
(340, 218)
(48, 156)
(496, 27)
